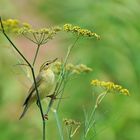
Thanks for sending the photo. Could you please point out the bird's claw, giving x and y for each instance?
(46, 116)
(52, 96)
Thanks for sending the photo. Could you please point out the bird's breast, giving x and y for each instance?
(47, 83)
(48, 76)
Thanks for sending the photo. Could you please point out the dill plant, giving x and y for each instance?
(63, 70)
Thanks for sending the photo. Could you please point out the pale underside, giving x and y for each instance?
(45, 83)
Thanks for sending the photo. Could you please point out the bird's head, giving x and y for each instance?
(47, 64)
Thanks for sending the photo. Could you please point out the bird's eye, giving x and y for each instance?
(47, 64)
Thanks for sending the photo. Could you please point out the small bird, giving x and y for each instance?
(45, 82)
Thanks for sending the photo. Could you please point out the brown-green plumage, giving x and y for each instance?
(45, 82)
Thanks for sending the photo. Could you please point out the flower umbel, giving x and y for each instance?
(72, 69)
(80, 31)
(38, 36)
(11, 25)
(110, 86)
(72, 126)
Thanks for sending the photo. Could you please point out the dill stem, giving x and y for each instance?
(36, 54)
(33, 74)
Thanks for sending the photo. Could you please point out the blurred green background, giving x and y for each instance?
(115, 58)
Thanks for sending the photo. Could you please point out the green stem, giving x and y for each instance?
(49, 106)
(58, 125)
(34, 36)
(67, 129)
(61, 94)
(42, 36)
(36, 54)
(62, 73)
(98, 101)
(61, 78)
(70, 131)
(39, 101)
(89, 122)
(58, 86)
(26, 36)
(13, 44)
(69, 51)
(33, 74)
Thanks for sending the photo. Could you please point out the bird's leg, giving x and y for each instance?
(37, 102)
(45, 115)
(52, 96)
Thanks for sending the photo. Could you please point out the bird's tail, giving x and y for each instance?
(24, 111)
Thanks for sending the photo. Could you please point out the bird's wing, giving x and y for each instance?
(32, 89)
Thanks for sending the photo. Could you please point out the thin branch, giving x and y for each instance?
(62, 73)
(13, 44)
(61, 78)
(36, 54)
(58, 124)
(45, 40)
(40, 105)
(98, 101)
(33, 74)
(35, 37)
(29, 38)
(64, 64)
(42, 36)
(75, 130)
(61, 94)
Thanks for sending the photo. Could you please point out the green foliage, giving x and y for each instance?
(114, 58)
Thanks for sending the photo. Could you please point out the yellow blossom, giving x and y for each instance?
(11, 22)
(79, 31)
(38, 36)
(26, 25)
(69, 67)
(110, 86)
(82, 68)
(73, 69)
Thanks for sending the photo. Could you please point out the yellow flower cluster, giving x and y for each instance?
(79, 31)
(38, 36)
(81, 68)
(11, 25)
(71, 122)
(73, 69)
(26, 25)
(41, 36)
(27, 29)
(11, 22)
(110, 86)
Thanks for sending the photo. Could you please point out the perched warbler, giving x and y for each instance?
(45, 82)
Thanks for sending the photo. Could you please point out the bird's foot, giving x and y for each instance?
(46, 116)
(37, 102)
(52, 96)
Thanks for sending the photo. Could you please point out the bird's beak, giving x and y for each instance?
(53, 60)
